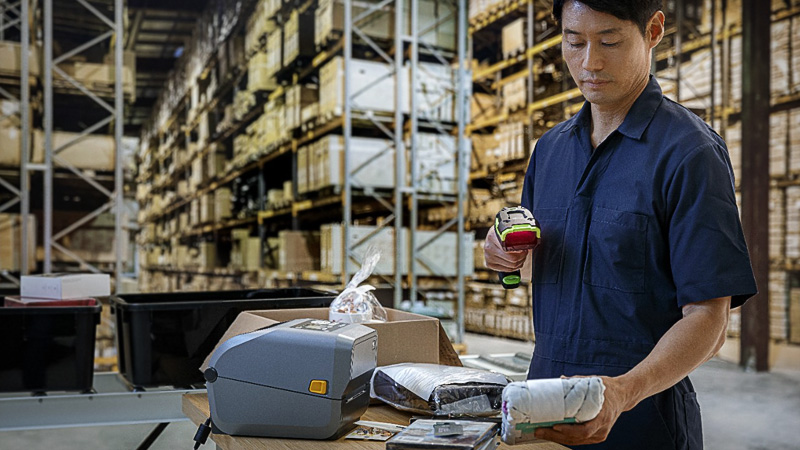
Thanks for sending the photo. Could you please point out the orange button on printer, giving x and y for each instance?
(318, 387)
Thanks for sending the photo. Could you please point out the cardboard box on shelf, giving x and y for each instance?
(405, 337)
(299, 96)
(483, 107)
(93, 152)
(222, 204)
(368, 154)
(207, 203)
(274, 51)
(11, 58)
(514, 38)
(11, 238)
(302, 169)
(383, 240)
(299, 251)
(298, 37)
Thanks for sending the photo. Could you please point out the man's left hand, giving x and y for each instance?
(597, 429)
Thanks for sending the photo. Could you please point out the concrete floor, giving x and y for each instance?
(741, 411)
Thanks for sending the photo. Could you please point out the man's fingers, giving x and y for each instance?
(569, 434)
(504, 262)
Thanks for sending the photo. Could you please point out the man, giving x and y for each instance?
(642, 252)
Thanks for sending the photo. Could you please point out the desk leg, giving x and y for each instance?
(148, 441)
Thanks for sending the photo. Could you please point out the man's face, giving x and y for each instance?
(608, 57)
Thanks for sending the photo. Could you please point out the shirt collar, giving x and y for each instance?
(638, 118)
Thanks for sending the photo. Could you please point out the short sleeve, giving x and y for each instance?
(527, 185)
(708, 253)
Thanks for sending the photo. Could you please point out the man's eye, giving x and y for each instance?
(610, 44)
(576, 44)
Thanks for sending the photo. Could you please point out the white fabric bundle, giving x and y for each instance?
(532, 404)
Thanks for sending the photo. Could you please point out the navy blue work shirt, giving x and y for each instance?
(632, 231)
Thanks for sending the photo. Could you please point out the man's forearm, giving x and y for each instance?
(692, 341)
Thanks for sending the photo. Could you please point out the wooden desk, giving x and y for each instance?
(195, 407)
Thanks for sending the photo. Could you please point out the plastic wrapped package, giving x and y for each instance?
(357, 304)
(532, 404)
(431, 389)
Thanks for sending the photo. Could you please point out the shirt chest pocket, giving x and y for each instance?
(548, 255)
(617, 250)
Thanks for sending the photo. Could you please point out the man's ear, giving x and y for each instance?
(655, 28)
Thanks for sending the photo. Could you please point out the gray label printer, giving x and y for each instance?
(304, 378)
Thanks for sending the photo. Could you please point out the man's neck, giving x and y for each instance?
(607, 118)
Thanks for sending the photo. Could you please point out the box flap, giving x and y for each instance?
(406, 337)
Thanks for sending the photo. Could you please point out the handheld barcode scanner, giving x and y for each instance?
(516, 230)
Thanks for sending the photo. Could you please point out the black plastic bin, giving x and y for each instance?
(47, 348)
(162, 339)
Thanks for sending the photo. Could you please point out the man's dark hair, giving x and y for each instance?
(636, 11)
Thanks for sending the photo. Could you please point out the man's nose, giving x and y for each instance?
(592, 59)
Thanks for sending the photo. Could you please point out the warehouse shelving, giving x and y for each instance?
(278, 161)
(100, 189)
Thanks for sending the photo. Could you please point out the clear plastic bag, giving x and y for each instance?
(436, 390)
(356, 303)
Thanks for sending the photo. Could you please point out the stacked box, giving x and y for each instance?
(371, 162)
(441, 31)
(207, 203)
(483, 107)
(298, 251)
(362, 74)
(298, 36)
(274, 125)
(243, 102)
(793, 222)
(777, 224)
(198, 175)
(329, 21)
(435, 92)
(207, 255)
(780, 75)
(438, 257)
(245, 251)
(514, 41)
(194, 212)
(274, 52)
(302, 170)
(512, 141)
(794, 315)
(222, 204)
(778, 140)
(794, 140)
(217, 163)
(258, 25)
(299, 96)
(11, 59)
(259, 73)
(733, 139)
(515, 94)
(778, 305)
(11, 238)
(331, 248)
(436, 163)
(485, 151)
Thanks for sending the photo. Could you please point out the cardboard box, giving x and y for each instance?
(11, 239)
(62, 286)
(514, 38)
(11, 58)
(298, 251)
(93, 152)
(406, 337)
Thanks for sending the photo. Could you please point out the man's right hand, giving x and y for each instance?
(499, 259)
